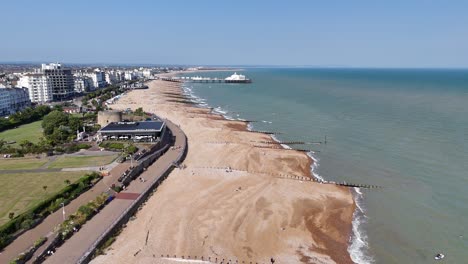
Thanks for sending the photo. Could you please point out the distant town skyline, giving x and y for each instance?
(396, 34)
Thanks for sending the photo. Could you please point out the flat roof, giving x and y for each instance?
(142, 126)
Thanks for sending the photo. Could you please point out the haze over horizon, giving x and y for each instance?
(400, 34)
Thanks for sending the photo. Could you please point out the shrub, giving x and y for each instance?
(85, 210)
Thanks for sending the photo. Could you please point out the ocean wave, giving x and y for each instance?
(220, 110)
(268, 122)
(314, 166)
(358, 245)
(277, 140)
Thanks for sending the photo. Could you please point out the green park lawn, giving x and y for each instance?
(21, 163)
(81, 161)
(31, 132)
(21, 191)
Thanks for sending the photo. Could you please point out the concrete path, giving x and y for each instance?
(86, 152)
(108, 167)
(29, 171)
(72, 250)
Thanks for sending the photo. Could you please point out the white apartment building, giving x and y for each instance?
(129, 75)
(99, 78)
(83, 84)
(39, 87)
(13, 100)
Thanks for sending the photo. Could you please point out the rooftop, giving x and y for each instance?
(150, 126)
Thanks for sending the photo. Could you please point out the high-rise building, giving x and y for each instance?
(40, 91)
(60, 79)
(50, 83)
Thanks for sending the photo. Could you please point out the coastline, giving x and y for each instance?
(242, 214)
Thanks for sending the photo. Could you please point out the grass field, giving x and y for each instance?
(31, 132)
(21, 191)
(21, 163)
(81, 161)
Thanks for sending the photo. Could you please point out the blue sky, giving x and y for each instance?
(361, 33)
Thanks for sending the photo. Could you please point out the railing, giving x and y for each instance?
(88, 254)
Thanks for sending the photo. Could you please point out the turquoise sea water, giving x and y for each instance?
(405, 130)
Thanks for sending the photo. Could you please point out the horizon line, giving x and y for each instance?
(239, 65)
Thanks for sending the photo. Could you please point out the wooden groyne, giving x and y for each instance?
(296, 177)
(217, 259)
(258, 146)
(346, 184)
(289, 142)
(182, 101)
(171, 80)
(176, 97)
(279, 147)
(265, 132)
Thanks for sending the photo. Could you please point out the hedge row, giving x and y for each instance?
(112, 145)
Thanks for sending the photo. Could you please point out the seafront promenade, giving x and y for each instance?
(80, 245)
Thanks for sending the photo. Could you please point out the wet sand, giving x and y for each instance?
(248, 214)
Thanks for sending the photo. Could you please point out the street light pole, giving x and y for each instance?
(63, 210)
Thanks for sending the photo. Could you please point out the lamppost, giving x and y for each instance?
(131, 160)
(63, 210)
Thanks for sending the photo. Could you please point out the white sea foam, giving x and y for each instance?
(277, 140)
(358, 245)
(268, 122)
(220, 110)
(314, 166)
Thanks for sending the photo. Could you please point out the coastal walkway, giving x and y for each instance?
(75, 249)
(46, 227)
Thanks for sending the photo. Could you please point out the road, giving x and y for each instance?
(79, 243)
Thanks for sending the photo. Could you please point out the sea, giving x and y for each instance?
(405, 130)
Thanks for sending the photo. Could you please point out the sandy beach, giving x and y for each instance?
(247, 213)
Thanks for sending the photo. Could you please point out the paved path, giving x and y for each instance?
(79, 243)
(44, 229)
(29, 171)
(108, 167)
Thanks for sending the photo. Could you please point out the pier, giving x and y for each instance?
(204, 80)
(235, 78)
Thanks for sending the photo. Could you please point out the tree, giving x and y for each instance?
(75, 123)
(58, 108)
(67, 182)
(53, 120)
(44, 187)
